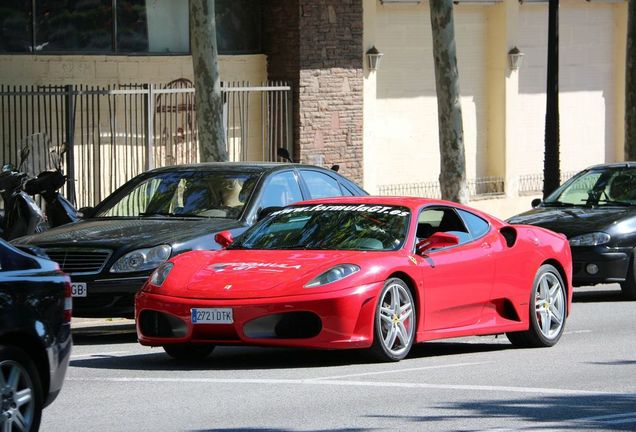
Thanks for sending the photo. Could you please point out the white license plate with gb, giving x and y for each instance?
(212, 316)
(78, 289)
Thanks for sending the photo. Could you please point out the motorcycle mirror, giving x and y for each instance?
(55, 159)
(8, 168)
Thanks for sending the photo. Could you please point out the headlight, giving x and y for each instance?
(334, 274)
(142, 259)
(160, 275)
(590, 239)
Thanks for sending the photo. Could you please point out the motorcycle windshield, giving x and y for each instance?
(38, 154)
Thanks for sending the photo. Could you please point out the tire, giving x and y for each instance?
(21, 395)
(628, 288)
(188, 351)
(548, 311)
(394, 322)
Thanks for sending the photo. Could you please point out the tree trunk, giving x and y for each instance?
(551, 164)
(209, 100)
(452, 178)
(630, 85)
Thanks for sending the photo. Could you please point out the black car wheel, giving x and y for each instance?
(20, 390)
(628, 288)
(548, 309)
(188, 351)
(395, 321)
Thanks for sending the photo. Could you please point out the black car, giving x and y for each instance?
(596, 210)
(167, 211)
(35, 336)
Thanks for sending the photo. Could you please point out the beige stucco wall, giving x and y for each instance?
(105, 70)
(503, 110)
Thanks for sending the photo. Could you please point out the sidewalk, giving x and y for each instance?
(101, 324)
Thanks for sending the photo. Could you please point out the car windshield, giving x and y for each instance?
(329, 226)
(201, 194)
(609, 186)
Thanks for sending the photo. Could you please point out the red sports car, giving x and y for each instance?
(362, 272)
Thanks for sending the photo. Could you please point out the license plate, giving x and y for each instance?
(212, 316)
(78, 289)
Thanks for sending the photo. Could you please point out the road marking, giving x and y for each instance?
(310, 381)
(400, 370)
(98, 354)
(577, 331)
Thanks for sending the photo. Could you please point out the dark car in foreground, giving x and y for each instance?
(35, 336)
(596, 210)
(165, 212)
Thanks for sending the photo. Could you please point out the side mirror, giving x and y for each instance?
(224, 238)
(436, 241)
(264, 212)
(335, 168)
(86, 212)
(536, 202)
(283, 154)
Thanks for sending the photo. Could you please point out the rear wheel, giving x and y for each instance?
(395, 321)
(21, 395)
(547, 311)
(188, 351)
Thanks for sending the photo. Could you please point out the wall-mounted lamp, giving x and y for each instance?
(373, 57)
(515, 58)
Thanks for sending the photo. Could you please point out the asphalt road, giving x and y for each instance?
(587, 382)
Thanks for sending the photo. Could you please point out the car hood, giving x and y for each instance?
(573, 220)
(131, 233)
(237, 274)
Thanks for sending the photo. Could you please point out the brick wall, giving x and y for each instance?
(325, 65)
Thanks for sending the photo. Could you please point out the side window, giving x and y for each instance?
(280, 190)
(320, 185)
(441, 219)
(476, 225)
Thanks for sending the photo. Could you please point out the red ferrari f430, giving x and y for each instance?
(380, 273)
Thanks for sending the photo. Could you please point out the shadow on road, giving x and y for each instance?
(257, 358)
(616, 412)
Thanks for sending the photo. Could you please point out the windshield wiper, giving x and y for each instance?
(616, 203)
(155, 214)
(557, 204)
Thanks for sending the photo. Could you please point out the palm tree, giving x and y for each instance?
(452, 178)
(209, 100)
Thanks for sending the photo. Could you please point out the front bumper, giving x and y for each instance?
(107, 297)
(612, 264)
(339, 319)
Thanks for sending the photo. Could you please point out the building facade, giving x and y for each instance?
(380, 125)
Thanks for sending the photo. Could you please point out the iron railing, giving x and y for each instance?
(113, 133)
(477, 188)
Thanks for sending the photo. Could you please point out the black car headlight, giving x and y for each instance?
(142, 259)
(334, 274)
(590, 239)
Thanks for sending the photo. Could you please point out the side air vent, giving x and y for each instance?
(510, 234)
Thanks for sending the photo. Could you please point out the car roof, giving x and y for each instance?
(235, 166)
(626, 164)
(405, 201)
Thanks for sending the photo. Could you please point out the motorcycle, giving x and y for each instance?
(22, 215)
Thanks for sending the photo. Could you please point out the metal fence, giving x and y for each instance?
(532, 184)
(477, 188)
(113, 133)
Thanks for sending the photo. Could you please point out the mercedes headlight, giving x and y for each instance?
(142, 259)
(590, 239)
(334, 274)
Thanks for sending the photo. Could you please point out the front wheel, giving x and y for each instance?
(548, 310)
(20, 391)
(628, 288)
(188, 351)
(395, 322)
